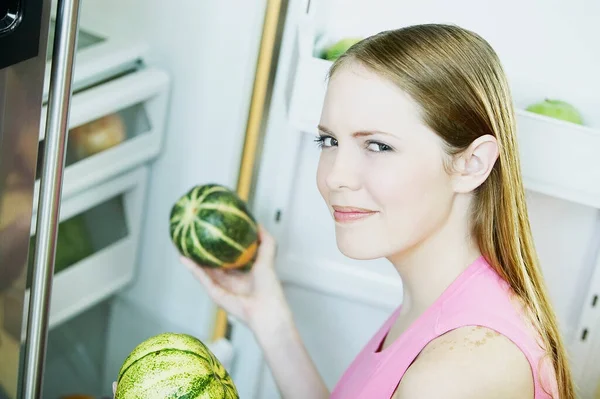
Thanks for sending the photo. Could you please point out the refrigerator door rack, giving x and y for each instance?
(112, 214)
(129, 114)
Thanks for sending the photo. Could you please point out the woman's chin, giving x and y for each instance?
(358, 250)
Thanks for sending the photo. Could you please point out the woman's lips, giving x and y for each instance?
(345, 214)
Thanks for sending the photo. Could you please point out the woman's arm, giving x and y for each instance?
(257, 299)
(468, 363)
(295, 374)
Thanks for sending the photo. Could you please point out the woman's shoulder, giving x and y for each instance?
(468, 362)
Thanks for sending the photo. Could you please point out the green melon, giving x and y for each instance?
(557, 109)
(173, 365)
(211, 225)
(73, 244)
(334, 51)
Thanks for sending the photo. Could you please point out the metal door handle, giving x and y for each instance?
(57, 120)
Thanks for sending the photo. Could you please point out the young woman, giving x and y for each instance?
(419, 164)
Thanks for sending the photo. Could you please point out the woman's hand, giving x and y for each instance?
(249, 295)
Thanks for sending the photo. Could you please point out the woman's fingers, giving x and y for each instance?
(234, 281)
(266, 250)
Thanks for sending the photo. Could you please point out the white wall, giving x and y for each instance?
(210, 49)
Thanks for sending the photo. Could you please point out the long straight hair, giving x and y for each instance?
(458, 81)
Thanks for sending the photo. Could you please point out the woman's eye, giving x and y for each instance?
(325, 141)
(378, 147)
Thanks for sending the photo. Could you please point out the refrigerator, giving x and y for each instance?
(110, 111)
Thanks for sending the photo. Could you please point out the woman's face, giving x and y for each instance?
(381, 170)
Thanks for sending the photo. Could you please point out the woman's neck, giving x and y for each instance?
(428, 269)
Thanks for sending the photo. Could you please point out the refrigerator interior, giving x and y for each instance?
(165, 123)
(177, 94)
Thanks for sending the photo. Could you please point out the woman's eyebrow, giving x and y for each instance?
(363, 133)
(324, 129)
(360, 133)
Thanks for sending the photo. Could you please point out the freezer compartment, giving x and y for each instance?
(113, 128)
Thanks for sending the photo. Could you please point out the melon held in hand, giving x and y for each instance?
(212, 226)
(172, 365)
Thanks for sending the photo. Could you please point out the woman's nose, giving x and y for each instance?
(344, 171)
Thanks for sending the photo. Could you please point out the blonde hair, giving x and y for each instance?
(457, 79)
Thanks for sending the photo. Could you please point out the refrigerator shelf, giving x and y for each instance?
(130, 111)
(558, 158)
(112, 213)
(97, 58)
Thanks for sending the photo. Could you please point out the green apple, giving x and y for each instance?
(557, 109)
(332, 52)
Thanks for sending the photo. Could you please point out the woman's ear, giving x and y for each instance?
(473, 165)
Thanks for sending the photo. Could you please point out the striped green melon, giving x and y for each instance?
(213, 226)
(173, 365)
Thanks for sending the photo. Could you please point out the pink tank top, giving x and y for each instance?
(479, 296)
